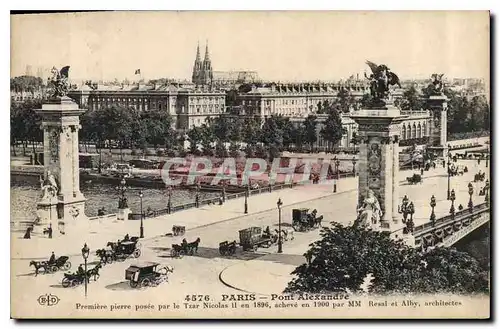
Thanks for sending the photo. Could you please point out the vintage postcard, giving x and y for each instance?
(319, 165)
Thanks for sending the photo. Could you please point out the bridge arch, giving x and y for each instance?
(419, 131)
(414, 131)
(403, 132)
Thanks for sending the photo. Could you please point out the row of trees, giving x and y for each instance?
(26, 83)
(346, 257)
(465, 114)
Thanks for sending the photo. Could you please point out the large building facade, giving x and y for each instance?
(188, 106)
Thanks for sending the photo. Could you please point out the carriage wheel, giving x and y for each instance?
(65, 282)
(66, 266)
(163, 271)
(54, 268)
(255, 247)
(73, 283)
(145, 282)
(232, 251)
(96, 276)
(137, 253)
(121, 258)
(173, 253)
(109, 259)
(133, 284)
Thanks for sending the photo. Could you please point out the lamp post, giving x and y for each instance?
(433, 204)
(449, 172)
(471, 191)
(169, 202)
(403, 209)
(224, 191)
(197, 196)
(354, 166)
(486, 191)
(280, 244)
(452, 198)
(85, 255)
(247, 194)
(142, 216)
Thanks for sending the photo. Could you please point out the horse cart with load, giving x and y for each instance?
(252, 238)
(147, 274)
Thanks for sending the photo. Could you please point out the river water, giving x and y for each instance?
(25, 195)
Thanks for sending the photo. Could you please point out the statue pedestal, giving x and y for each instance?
(123, 213)
(47, 213)
(379, 129)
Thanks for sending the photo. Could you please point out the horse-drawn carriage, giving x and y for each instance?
(120, 250)
(416, 178)
(77, 278)
(303, 220)
(62, 263)
(185, 248)
(178, 230)
(227, 248)
(479, 177)
(147, 274)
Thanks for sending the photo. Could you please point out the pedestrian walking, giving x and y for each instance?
(49, 231)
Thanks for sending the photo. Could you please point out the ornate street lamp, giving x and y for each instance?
(142, 216)
(85, 255)
(486, 191)
(197, 196)
(247, 194)
(337, 165)
(354, 166)
(224, 183)
(280, 244)
(433, 204)
(169, 202)
(449, 172)
(403, 208)
(452, 198)
(411, 211)
(471, 191)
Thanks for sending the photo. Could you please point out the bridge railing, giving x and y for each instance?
(450, 217)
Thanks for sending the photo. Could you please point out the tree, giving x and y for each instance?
(310, 133)
(195, 136)
(346, 256)
(252, 131)
(411, 100)
(332, 130)
(345, 100)
(272, 133)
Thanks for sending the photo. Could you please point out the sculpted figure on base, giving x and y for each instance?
(380, 80)
(370, 212)
(49, 187)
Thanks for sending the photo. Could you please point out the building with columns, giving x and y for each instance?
(189, 106)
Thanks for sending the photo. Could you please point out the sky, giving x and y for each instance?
(278, 45)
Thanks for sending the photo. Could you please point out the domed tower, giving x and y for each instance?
(207, 73)
(197, 68)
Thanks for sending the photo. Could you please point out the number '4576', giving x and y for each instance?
(197, 298)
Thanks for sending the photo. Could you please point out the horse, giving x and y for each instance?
(287, 234)
(94, 272)
(112, 245)
(39, 265)
(103, 254)
(192, 247)
(317, 221)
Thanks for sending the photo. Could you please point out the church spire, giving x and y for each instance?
(207, 55)
(198, 56)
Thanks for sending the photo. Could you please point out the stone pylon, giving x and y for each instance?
(438, 107)
(63, 201)
(379, 130)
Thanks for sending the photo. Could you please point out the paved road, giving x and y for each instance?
(200, 273)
